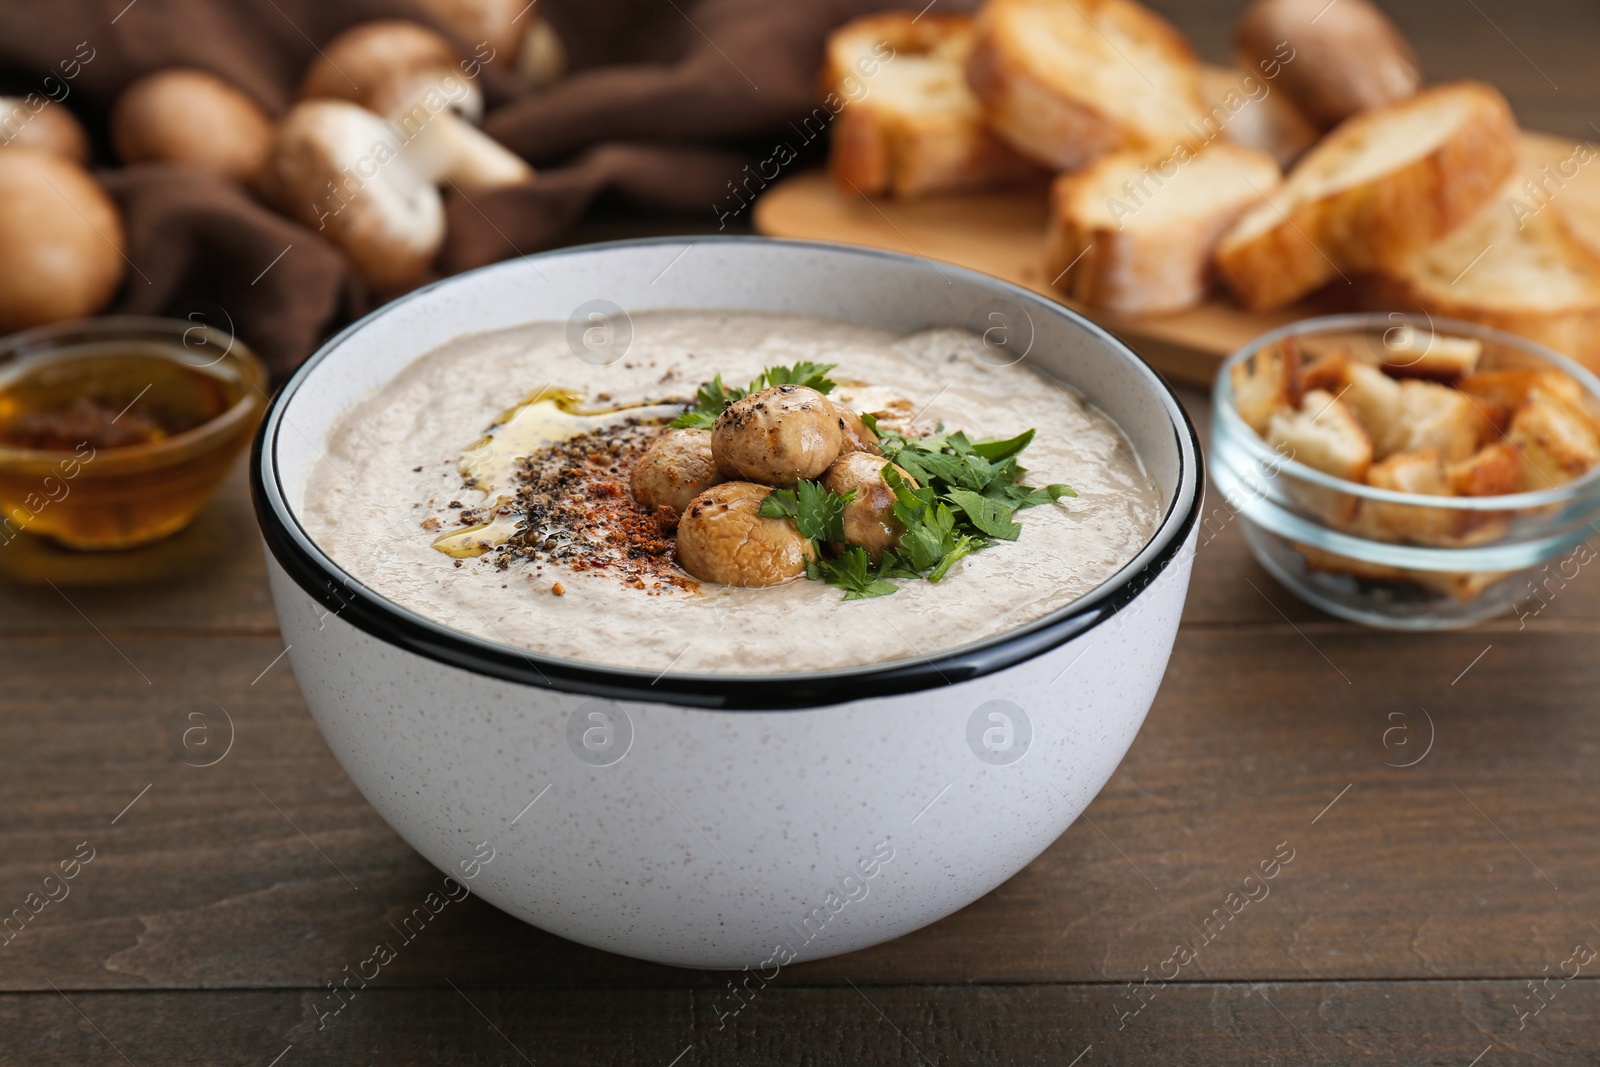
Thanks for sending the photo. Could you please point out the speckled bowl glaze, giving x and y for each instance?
(713, 821)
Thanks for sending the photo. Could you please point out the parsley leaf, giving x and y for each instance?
(989, 516)
(853, 573)
(1026, 496)
(713, 396)
(816, 510)
(994, 451)
(810, 375)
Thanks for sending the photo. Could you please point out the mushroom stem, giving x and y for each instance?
(444, 148)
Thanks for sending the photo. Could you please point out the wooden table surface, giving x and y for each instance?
(1437, 793)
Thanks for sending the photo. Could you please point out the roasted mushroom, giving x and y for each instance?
(674, 470)
(869, 518)
(777, 436)
(854, 433)
(721, 539)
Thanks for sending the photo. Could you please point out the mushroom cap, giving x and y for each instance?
(854, 434)
(336, 168)
(777, 436)
(192, 118)
(674, 470)
(387, 65)
(868, 519)
(492, 22)
(61, 240)
(50, 126)
(1348, 57)
(721, 539)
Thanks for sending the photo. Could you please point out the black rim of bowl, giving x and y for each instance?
(346, 598)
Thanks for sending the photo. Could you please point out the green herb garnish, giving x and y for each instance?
(713, 396)
(966, 499)
(817, 511)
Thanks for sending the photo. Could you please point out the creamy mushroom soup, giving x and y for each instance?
(486, 487)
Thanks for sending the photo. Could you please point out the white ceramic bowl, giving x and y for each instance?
(712, 821)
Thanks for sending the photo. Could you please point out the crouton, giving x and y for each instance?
(1325, 435)
(1329, 372)
(1421, 473)
(1493, 418)
(1462, 586)
(1409, 353)
(1266, 383)
(1378, 402)
(1437, 416)
(1558, 440)
(1493, 470)
(1509, 389)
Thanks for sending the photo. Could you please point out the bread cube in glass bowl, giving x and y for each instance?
(1410, 473)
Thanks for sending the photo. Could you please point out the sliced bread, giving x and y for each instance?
(1246, 109)
(1066, 81)
(1527, 274)
(907, 123)
(1135, 235)
(1377, 189)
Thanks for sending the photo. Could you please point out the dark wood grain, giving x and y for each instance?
(1330, 1023)
(1420, 902)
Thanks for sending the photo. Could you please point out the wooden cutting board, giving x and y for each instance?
(1002, 233)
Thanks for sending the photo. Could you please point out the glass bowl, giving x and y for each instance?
(116, 431)
(1463, 559)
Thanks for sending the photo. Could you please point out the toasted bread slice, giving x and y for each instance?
(1244, 109)
(1514, 270)
(909, 125)
(1066, 81)
(1135, 235)
(1558, 439)
(1266, 383)
(1378, 188)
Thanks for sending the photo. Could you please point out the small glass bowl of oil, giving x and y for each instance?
(116, 431)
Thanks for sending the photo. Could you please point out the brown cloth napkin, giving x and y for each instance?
(665, 102)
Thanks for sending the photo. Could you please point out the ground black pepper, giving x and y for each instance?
(576, 509)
